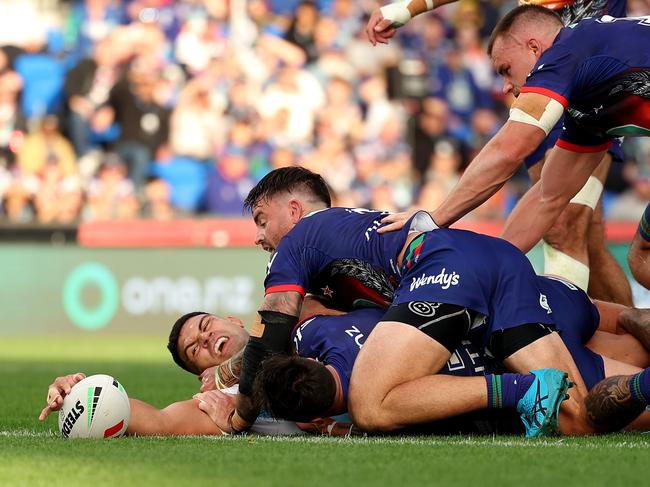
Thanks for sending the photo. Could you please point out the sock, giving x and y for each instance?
(640, 387)
(505, 390)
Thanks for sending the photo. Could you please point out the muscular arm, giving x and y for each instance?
(492, 167)
(179, 418)
(563, 175)
(279, 312)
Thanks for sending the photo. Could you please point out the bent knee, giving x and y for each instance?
(372, 420)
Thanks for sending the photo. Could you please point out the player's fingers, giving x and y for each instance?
(44, 413)
(383, 25)
(373, 21)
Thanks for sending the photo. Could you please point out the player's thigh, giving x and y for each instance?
(551, 352)
(620, 348)
(393, 353)
(615, 367)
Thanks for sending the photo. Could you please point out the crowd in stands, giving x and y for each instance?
(166, 109)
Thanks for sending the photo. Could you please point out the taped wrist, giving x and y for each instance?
(275, 338)
(399, 13)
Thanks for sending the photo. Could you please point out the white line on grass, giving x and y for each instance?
(504, 442)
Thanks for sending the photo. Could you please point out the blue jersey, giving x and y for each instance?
(599, 70)
(572, 12)
(336, 341)
(324, 237)
(575, 10)
(485, 274)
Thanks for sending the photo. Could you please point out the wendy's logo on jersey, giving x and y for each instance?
(442, 278)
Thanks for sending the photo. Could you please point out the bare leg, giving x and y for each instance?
(550, 352)
(392, 385)
(179, 418)
(622, 348)
(638, 258)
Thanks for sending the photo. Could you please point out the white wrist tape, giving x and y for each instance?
(399, 14)
(552, 113)
(589, 194)
(559, 264)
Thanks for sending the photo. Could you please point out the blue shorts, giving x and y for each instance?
(540, 152)
(576, 320)
(485, 274)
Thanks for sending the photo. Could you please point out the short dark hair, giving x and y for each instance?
(294, 388)
(509, 20)
(288, 179)
(174, 334)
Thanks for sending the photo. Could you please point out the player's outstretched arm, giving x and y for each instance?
(179, 418)
(385, 21)
(489, 171)
(563, 175)
(279, 314)
(57, 390)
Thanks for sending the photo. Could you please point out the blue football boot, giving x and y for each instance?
(540, 405)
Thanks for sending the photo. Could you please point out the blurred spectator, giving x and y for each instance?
(157, 200)
(143, 120)
(111, 194)
(197, 122)
(90, 21)
(302, 29)
(228, 185)
(12, 121)
(59, 197)
(218, 93)
(87, 87)
(45, 147)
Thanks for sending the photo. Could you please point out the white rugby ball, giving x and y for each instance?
(97, 407)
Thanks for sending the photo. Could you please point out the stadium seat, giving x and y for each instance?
(187, 178)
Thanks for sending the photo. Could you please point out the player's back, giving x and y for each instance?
(324, 236)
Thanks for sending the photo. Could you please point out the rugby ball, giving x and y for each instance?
(97, 407)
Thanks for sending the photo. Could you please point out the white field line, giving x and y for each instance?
(477, 441)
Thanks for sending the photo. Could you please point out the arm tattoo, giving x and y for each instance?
(227, 374)
(610, 406)
(287, 302)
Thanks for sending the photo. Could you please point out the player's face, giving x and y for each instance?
(207, 340)
(513, 60)
(274, 218)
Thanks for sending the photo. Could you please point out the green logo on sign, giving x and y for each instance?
(90, 274)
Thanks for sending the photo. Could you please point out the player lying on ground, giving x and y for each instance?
(575, 245)
(198, 342)
(298, 389)
(469, 281)
(222, 339)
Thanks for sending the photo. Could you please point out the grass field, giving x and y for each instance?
(32, 454)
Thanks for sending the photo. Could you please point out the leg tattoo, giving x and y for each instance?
(610, 405)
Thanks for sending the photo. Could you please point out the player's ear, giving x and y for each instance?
(535, 46)
(295, 210)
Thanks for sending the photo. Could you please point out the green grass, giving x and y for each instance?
(32, 454)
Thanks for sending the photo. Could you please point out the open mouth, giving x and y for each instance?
(220, 344)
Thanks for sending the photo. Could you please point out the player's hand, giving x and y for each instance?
(57, 391)
(207, 379)
(219, 406)
(379, 29)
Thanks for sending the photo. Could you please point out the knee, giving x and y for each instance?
(570, 229)
(370, 418)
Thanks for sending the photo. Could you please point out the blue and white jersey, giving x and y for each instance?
(336, 341)
(323, 237)
(573, 11)
(599, 70)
